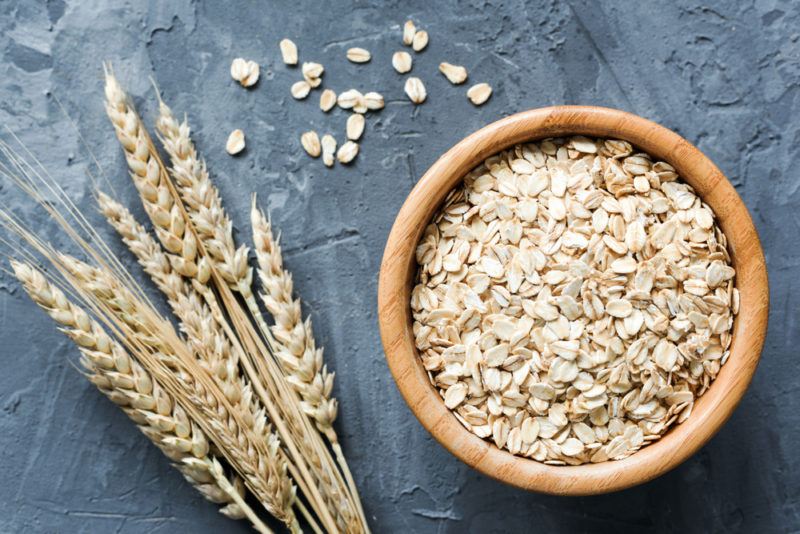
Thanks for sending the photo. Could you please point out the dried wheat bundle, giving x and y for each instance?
(240, 400)
(123, 380)
(316, 473)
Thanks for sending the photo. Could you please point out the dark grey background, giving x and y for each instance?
(726, 75)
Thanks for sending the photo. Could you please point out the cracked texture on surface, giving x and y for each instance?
(726, 75)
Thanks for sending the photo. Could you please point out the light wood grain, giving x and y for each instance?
(710, 412)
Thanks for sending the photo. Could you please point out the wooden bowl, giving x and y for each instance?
(710, 411)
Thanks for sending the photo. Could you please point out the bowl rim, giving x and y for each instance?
(709, 412)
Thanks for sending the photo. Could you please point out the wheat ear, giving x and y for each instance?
(214, 228)
(300, 358)
(203, 203)
(204, 206)
(203, 331)
(155, 184)
(151, 180)
(111, 369)
(296, 350)
(169, 359)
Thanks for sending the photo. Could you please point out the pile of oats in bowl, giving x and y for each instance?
(573, 299)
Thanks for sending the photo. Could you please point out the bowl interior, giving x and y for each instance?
(710, 411)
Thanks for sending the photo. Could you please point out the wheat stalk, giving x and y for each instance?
(296, 350)
(203, 203)
(204, 209)
(204, 332)
(199, 202)
(200, 373)
(170, 360)
(150, 176)
(214, 228)
(122, 379)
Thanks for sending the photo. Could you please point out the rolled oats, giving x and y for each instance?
(353, 99)
(409, 30)
(479, 93)
(355, 126)
(312, 73)
(288, 51)
(327, 99)
(349, 99)
(456, 74)
(573, 299)
(347, 152)
(373, 101)
(300, 89)
(245, 72)
(420, 41)
(328, 150)
(358, 55)
(401, 61)
(310, 142)
(415, 90)
(235, 143)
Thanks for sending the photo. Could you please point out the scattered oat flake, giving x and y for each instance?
(347, 152)
(358, 55)
(373, 101)
(415, 90)
(349, 99)
(235, 143)
(409, 30)
(355, 126)
(300, 89)
(245, 72)
(328, 150)
(313, 70)
(479, 93)
(311, 144)
(288, 51)
(455, 73)
(401, 61)
(420, 41)
(312, 73)
(327, 99)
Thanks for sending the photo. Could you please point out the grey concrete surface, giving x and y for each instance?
(726, 75)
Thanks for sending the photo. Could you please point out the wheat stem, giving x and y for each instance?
(111, 369)
(281, 413)
(203, 330)
(169, 359)
(154, 186)
(300, 359)
(150, 176)
(203, 204)
(336, 499)
(203, 231)
(214, 229)
(296, 351)
(152, 181)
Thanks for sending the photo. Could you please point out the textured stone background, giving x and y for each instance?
(726, 75)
